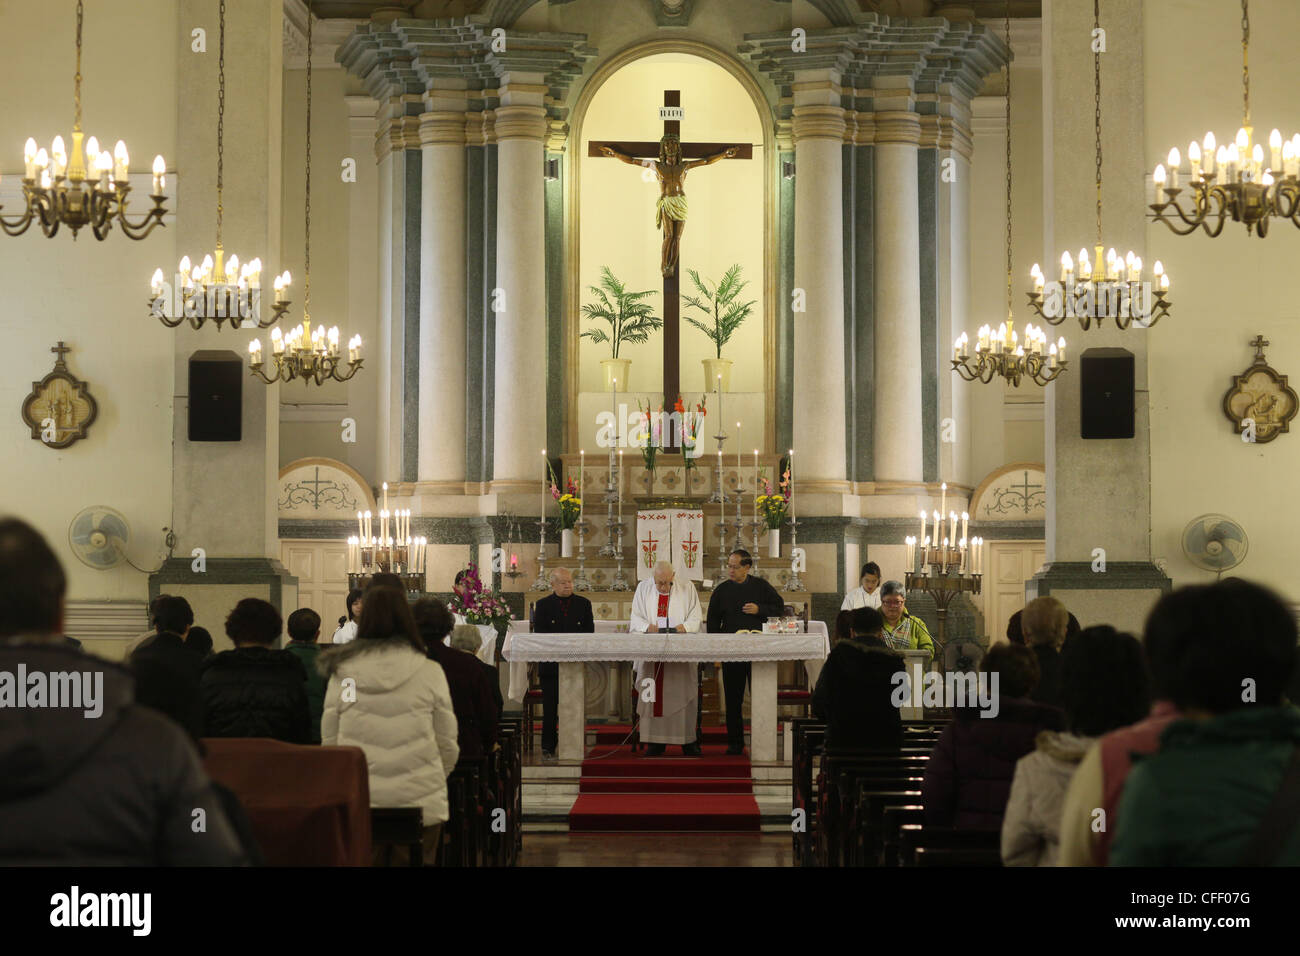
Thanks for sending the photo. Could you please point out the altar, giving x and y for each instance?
(609, 643)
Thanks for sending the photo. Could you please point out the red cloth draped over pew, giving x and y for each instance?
(309, 806)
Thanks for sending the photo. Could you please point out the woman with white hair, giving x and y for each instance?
(902, 630)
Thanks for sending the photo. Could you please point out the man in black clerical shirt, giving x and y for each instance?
(562, 612)
(743, 603)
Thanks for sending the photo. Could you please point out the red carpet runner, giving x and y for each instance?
(622, 791)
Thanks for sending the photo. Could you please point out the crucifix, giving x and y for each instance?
(671, 159)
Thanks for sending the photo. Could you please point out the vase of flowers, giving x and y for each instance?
(772, 508)
(692, 422)
(649, 436)
(478, 604)
(570, 506)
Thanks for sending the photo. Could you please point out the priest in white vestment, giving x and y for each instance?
(670, 716)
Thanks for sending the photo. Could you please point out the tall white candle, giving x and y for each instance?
(719, 401)
(791, 489)
(756, 484)
(952, 526)
(965, 517)
(361, 525)
(385, 508)
(943, 498)
(582, 459)
(541, 515)
(620, 485)
(737, 451)
(921, 537)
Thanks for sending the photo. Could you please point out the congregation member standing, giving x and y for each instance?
(477, 712)
(167, 669)
(662, 603)
(347, 630)
(854, 693)
(740, 606)
(560, 612)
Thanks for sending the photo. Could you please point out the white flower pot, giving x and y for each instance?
(712, 369)
(619, 369)
(774, 542)
(567, 538)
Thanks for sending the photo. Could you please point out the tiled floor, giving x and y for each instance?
(656, 849)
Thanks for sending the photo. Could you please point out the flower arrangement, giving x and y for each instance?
(649, 435)
(691, 422)
(569, 502)
(478, 605)
(773, 506)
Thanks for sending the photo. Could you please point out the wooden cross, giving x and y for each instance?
(671, 290)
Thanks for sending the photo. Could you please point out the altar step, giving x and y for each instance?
(613, 734)
(621, 791)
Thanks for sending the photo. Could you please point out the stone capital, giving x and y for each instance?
(896, 127)
(818, 122)
(442, 129)
(520, 122)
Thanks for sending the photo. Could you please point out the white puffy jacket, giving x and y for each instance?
(1031, 828)
(398, 710)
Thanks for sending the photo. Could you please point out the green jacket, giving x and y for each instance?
(1199, 800)
(315, 683)
(910, 634)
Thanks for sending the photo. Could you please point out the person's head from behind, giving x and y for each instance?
(1044, 622)
(739, 563)
(1016, 667)
(843, 625)
(562, 582)
(32, 583)
(303, 626)
(354, 604)
(893, 601)
(870, 577)
(388, 615)
(466, 637)
(1220, 647)
(1015, 633)
(1103, 681)
(385, 579)
(433, 620)
(253, 623)
(199, 640)
(867, 622)
(172, 615)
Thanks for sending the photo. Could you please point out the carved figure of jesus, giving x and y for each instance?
(670, 209)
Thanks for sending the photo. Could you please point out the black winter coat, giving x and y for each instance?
(117, 789)
(167, 679)
(968, 779)
(853, 695)
(477, 713)
(256, 692)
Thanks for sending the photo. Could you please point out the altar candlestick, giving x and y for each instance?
(737, 451)
(582, 458)
(542, 514)
(620, 486)
(719, 400)
(965, 518)
(755, 484)
(790, 490)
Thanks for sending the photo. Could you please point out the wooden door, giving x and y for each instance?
(1010, 564)
(321, 569)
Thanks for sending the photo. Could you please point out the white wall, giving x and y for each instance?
(91, 294)
(1223, 290)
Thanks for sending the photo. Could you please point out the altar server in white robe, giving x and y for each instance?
(867, 593)
(669, 718)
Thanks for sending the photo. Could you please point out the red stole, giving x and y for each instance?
(662, 612)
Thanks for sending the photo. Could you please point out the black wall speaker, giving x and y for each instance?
(216, 395)
(1106, 393)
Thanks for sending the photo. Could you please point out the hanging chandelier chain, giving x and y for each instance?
(76, 83)
(306, 294)
(1245, 64)
(1096, 101)
(221, 112)
(1007, 29)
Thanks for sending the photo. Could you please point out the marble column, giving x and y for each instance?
(363, 290)
(442, 297)
(897, 452)
(818, 132)
(1088, 520)
(520, 413)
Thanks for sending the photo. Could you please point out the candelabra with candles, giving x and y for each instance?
(311, 355)
(945, 570)
(620, 582)
(541, 582)
(394, 551)
(1097, 292)
(612, 496)
(87, 187)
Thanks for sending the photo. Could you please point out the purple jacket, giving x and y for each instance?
(969, 775)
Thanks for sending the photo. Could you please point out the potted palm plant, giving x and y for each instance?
(722, 315)
(630, 319)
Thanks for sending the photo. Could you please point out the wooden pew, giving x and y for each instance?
(921, 845)
(806, 741)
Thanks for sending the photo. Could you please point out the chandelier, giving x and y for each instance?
(1003, 355)
(311, 355)
(1232, 181)
(217, 289)
(1097, 289)
(87, 188)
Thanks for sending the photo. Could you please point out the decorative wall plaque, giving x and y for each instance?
(1260, 398)
(59, 409)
